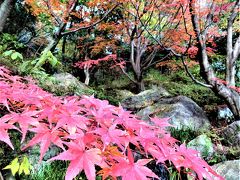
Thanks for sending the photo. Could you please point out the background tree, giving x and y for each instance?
(5, 9)
(197, 26)
(71, 16)
(225, 89)
(137, 15)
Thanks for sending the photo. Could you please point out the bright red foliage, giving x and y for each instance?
(90, 132)
(91, 62)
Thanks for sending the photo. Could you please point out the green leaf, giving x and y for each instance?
(16, 55)
(8, 53)
(25, 66)
(24, 166)
(41, 60)
(53, 61)
(13, 166)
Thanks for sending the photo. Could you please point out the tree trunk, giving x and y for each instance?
(64, 49)
(5, 9)
(87, 74)
(231, 97)
(141, 86)
(139, 82)
(1, 177)
(232, 50)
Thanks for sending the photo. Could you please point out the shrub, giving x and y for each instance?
(91, 133)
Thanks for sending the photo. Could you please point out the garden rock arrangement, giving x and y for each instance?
(183, 112)
(231, 134)
(144, 99)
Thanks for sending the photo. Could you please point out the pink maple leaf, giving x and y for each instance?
(127, 169)
(4, 126)
(24, 120)
(80, 159)
(45, 137)
(111, 135)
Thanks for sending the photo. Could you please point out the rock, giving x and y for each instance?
(183, 112)
(231, 134)
(66, 84)
(123, 94)
(224, 113)
(159, 169)
(228, 169)
(203, 144)
(25, 36)
(144, 99)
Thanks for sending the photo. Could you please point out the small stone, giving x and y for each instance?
(231, 134)
(203, 144)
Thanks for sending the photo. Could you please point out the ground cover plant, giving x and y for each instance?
(91, 133)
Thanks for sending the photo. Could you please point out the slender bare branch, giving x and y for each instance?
(192, 77)
(158, 61)
(129, 77)
(93, 24)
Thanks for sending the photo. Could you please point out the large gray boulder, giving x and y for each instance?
(231, 134)
(230, 170)
(144, 99)
(66, 84)
(183, 112)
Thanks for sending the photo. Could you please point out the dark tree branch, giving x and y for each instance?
(57, 19)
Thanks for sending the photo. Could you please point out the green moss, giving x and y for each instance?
(183, 135)
(103, 93)
(179, 83)
(55, 170)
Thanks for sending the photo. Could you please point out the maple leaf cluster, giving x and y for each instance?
(91, 62)
(91, 133)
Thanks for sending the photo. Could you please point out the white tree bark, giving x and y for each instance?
(233, 50)
(87, 74)
(5, 9)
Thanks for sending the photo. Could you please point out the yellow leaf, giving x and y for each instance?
(13, 166)
(24, 167)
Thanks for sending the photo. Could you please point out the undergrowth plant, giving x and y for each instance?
(95, 137)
